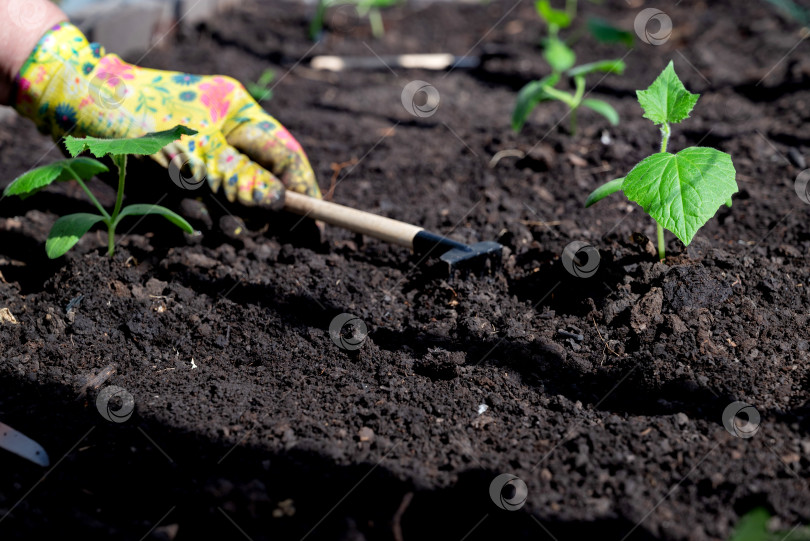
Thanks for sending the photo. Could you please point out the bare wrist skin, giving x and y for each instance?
(22, 24)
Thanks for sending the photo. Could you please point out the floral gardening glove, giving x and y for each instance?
(68, 85)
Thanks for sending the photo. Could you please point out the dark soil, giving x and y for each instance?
(280, 434)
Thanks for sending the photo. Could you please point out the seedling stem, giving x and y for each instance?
(659, 229)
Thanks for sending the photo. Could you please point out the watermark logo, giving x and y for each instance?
(187, 172)
(108, 93)
(802, 186)
(26, 14)
(107, 409)
(741, 419)
(420, 99)
(348, 331)
(580, 259)
(508, 492)
(653, 26)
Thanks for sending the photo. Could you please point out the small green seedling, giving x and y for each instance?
(260, 90)
(562, 58)
(682, 191)
(753, 526)
(67, 230)
(365, 8)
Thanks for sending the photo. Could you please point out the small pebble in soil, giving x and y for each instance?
(285, 508)
(796, 158)
(482, 408)
(567, 334)
(197, 213)
(7, 317)
(165, 533)
(232, 226)
(366, 434)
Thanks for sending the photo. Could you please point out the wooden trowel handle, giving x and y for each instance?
(355, 220)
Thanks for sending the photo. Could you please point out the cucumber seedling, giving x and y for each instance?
(369, 8)
(67, 230)
(261, 90)
(561, 58)
(682, 191)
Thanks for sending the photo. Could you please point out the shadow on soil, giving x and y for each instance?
(113, 477)
(549, 368)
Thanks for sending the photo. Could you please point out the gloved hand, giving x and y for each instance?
(69, 86)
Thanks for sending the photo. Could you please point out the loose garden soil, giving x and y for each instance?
(250, 421)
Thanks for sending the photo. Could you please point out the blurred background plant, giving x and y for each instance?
(261, 90)
(561, 58)
(753, 526)
(364, 8)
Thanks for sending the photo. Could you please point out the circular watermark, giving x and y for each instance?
(124, 412)
(508, 492)
(26, 14)
(580, 259)
(802, 186)
(108, 93)
(741, 419)
(348, 331)
(187, 172)
(653, 26)
(420, 99)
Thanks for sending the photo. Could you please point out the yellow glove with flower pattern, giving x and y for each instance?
(70, 86)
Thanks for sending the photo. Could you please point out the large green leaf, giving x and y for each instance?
(143, 210)
(682, 191)
(36, 179)
(603, 108)
(552, 16)
(145, 145)
(528, 98)
(67, 231)
(607, 66)
(667, 100)
(558, 55)
(605, 32)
